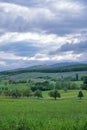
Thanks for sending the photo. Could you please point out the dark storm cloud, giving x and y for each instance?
(75, 48)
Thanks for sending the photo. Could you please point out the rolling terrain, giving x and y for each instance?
(68, 112)
(45, 71)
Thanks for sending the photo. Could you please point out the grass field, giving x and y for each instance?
(67, 113)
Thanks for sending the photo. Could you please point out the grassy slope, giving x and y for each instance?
(36, 75)
(27, 73)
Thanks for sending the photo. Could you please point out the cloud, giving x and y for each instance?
(9, 56)
(49, 16)
(42, 39)
(12, 15)
(42, 47)
(34, 32)
(2, 63)
(78, 48)
(35, 39)
(20, 48)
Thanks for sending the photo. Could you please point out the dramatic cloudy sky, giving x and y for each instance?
(42, 31)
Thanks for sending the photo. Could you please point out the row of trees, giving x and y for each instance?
(56, 94)
(16, 93)
(46, 85)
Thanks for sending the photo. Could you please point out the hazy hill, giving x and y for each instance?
(47, 69)
(61, 64)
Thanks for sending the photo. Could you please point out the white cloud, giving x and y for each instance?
(9, 56)
(36, 39)
(68, 6)
(12, 56)
(39, 57)
(65, 8)
(69, 56)
(25, 18)
(42, 39)
(45, 24)
(2, 63)
(16, 10)
(20, 18)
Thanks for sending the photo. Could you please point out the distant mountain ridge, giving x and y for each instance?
(65, 64)
(53, 68)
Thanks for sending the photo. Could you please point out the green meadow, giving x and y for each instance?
(66, 113)
(32, 113)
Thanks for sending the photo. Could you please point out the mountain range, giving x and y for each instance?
(50, 68)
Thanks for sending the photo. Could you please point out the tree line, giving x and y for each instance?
(16, 93)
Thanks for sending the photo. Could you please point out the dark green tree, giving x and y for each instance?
(84, 85)
(80, 94)
(7, 92)
(27, 92)
(77, 77)
(54, 93)
(16, 93)
(38, 94)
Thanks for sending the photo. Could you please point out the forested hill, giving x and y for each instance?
(47, 69)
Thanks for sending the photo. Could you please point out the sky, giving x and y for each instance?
(34, 32)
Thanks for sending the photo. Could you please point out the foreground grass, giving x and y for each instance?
(44, 114)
